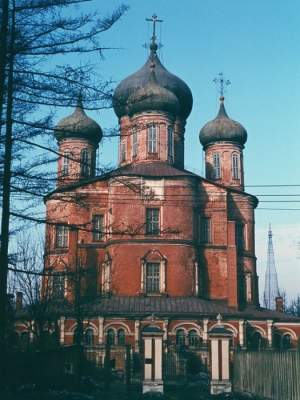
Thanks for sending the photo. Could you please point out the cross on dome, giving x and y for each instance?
(154, 19)
(221, 83)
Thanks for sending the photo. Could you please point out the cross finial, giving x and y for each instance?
(154, 19)
(221, 83)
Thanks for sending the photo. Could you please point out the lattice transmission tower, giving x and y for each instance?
(271, 280)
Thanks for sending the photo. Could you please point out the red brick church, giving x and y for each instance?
(150, 240)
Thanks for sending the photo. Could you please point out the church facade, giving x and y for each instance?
(150, 242)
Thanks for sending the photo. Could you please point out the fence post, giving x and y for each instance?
(219, 338)
(153, 352)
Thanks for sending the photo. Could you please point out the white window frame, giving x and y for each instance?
(216, 165)
(152, 221)
(235, 162)
(61, 236)
(162, 276)
(152, 139)
(98, 227)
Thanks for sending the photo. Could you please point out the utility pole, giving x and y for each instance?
(271, 280)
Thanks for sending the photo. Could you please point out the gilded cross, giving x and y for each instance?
(154, 19)
(221, 83)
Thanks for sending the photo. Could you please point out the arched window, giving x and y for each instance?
(85, 163)
(286, 341)
(180, 337)
(256, 341)
(194, 338)
(111, 337)
(216, 166)
(235, 166)
(121, 337)
(277, 341)
(152, 138)
(89, 337)
(65, 163)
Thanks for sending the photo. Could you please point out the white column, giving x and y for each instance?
(100, 330)
(162, 276)
(269, 332)
(62, 330)
(165, 329)
(148, 358)
(158, 359)
(205, 330)
(215, 359)
(225, 359)
(242, 332)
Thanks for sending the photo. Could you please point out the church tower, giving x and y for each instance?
(78, 137)
(152, 106)
(223, 141)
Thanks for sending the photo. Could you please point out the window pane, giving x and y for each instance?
(170, 143)
(121, 337)
(235, 166)
(239, 236)
(152, 221)
(111, 337)
(62, 236)
(98, 227)
(85, 162)
(216, 166)
(205, 230)
(180, 337)
(152, 277)
(58, 286)
(152, 138)
(65, 163)
(89, 337)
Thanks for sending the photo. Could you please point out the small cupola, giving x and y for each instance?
(78, 137)
(78, 126)
(223, 140)
(222, 129)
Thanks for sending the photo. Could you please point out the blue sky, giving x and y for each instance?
(256, 44)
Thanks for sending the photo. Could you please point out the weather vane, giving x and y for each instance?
(154, 19)
(221, 83)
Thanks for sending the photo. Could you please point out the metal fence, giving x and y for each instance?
(275, 375)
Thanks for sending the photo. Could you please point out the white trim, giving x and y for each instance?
(110, 325)
(181, 325)
(258, 329)
(286, 331)
(229, 326)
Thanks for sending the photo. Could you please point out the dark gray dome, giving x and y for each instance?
(152, 97)
(78, 125)
(164, 79)
(222, 128)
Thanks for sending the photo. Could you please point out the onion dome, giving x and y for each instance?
(223, 128)
(140, 85)
(78, 125)
(152, 97)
